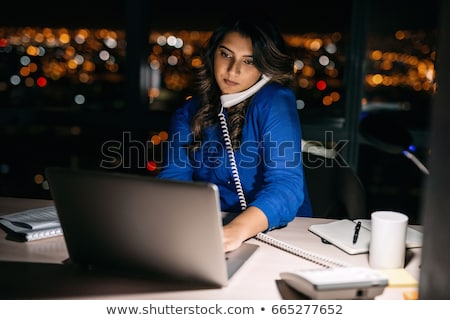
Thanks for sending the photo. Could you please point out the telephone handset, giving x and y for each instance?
(232, 99)
(229, 100)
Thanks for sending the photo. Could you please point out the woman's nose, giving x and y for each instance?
(233, 67)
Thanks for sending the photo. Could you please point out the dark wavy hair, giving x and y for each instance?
(270, 56)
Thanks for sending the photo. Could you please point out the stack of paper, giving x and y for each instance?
(32, 224)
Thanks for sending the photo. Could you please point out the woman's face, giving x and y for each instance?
(233, 64)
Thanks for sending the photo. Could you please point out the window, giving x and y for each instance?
(399, 85)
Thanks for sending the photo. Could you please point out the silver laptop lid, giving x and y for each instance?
(139, 223)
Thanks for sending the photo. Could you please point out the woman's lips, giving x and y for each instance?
(229, 82)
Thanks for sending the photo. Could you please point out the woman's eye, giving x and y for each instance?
(248, 62)
(225, 54)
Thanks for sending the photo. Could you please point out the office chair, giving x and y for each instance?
(335, 191)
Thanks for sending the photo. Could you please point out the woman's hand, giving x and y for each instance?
(243, 227)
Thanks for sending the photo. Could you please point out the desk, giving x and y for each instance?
(34, 270)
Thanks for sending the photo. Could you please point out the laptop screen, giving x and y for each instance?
(142, 224)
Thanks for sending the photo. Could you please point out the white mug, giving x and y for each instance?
(388, 240)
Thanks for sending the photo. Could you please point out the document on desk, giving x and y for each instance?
(32, 224)
(341, 233)
(400, 278)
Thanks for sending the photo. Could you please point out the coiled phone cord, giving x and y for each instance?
(229, 100)
(232, 159)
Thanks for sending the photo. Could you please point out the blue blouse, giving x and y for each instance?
(269, 159)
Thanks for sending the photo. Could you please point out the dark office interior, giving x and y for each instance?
(99, 74)
(74, 78)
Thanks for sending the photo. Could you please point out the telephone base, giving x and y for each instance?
(344, 294)
(346, 283)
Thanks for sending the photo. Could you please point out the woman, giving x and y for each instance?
(244, 100)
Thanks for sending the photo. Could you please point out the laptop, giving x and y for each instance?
(144, 224)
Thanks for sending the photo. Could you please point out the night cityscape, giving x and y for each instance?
(63, 94)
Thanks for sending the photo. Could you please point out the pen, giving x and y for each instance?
(356, 234)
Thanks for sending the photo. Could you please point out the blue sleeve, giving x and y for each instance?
(175, 159)
(283, 187)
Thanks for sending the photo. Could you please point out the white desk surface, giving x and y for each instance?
(39, 263)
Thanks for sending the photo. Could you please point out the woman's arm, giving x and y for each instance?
(175, 158)
(244, 226)
(274, 116)
(282, 186)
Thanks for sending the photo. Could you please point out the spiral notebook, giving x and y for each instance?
(321, 260)
(32, 224)
(340, 233)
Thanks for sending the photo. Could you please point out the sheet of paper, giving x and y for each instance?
(400, 278)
